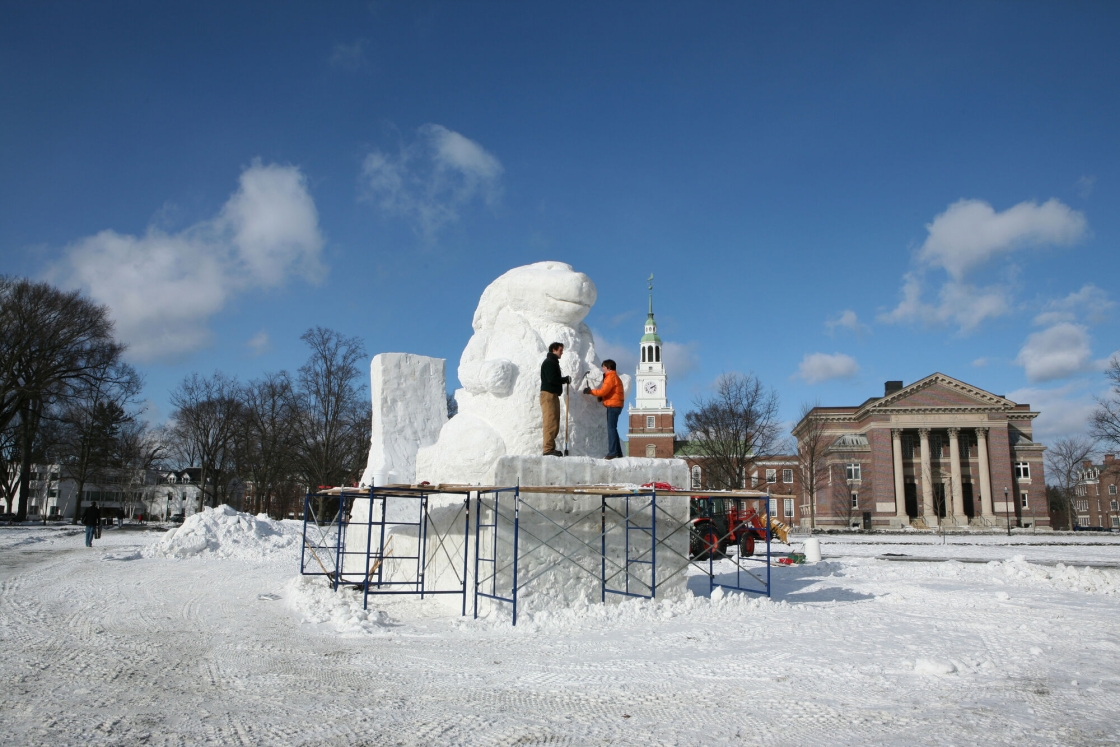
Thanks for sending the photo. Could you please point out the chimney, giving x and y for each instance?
(891, 387)
(1109, 458)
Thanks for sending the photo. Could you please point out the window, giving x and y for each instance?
(771, 476)
(773, 506)
(1116, 521)
(657, 354)
(787, 476)
(1022, 471)
(696, 477)
(789, 508)
(651, 451)
(852, 471)
(651, 421)
(1082, 505)
(855, 500)
(1023, 500)
(1112, 490)
(908, 447)
(935, 446)
(754, 479)
(1082, 521)
(1115, 506)
(966, 446)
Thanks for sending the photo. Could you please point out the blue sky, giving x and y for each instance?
(829, 195)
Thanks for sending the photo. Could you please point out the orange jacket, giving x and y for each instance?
(611, 391)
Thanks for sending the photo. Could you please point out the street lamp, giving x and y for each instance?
(1007, 510)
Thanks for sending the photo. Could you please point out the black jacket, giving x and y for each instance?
(551, 380)
(91, 517)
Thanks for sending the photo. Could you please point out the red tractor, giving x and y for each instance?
(719, 522)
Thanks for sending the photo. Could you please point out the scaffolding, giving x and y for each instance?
(625, 541)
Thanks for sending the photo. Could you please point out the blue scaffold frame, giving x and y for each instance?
(741, 572)
(374, 558)
(492, 531)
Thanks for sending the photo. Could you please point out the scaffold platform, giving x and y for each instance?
(577, 541)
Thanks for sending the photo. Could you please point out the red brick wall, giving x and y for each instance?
(882, 467)
(639, 438)
(999, 463)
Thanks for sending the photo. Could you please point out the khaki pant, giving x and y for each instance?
(550, 413)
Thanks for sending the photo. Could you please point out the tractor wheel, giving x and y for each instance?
(746, 546)
(703, 541)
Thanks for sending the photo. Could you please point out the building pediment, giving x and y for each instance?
(937, 392)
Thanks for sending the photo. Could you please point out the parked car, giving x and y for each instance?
(178, 518)
(6, 518)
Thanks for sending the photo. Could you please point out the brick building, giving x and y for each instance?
(652, 428)
(1096, 499)
(938, 451)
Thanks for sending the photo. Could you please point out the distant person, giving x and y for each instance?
(612, 395)
(552, 386)
(91, 517)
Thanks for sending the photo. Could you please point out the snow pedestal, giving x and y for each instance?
(560, 548)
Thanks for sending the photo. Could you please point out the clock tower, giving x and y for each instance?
(652, 431)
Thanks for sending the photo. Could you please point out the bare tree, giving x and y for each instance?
(266, 438)
(1105, 423)
(1064, 461)
(52, 342)
(206, 416)
(733, 429)
(333, 415)
(812, 466)
(90, 424)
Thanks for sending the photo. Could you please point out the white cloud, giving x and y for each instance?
(1090, 303)
(970, 232)
(259, 344)
(162, 288)
(962, 304)
(430, 180)
(846, 320)
(818, 367)
(624, 356)
(980, 362)
(681, 358)
(1085, 185)
(1056, 352)
(1062, 412)
(349, 56)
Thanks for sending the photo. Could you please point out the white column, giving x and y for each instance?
(955, 475)
(899, 484)
(927, 479)
(985, 475)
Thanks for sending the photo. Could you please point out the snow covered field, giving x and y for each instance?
(212, 639)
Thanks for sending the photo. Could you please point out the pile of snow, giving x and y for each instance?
(225, 533)
(313, 597)
(1061, 576)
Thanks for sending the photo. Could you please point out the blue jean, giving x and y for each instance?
(89, 536)
(614, 446)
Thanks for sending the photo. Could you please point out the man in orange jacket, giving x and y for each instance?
(612, 395)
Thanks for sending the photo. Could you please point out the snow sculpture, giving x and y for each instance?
(518, 316)
(409, 408)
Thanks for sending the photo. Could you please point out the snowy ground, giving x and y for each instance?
(123, 645)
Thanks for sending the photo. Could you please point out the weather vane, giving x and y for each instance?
(651, 281)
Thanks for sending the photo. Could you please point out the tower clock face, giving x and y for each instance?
(651, 387)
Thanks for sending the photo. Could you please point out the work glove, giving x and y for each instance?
(587, 390)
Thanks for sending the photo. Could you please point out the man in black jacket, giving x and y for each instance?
(91, 517)
(552, 386)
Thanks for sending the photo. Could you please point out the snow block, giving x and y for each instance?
(409, 395)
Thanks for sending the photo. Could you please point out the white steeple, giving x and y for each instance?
(650, 377)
